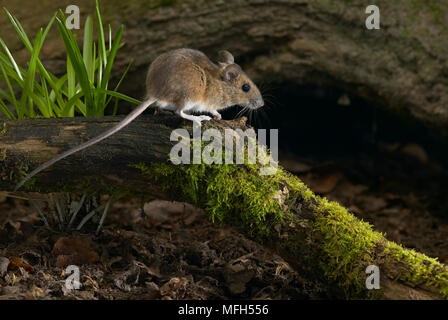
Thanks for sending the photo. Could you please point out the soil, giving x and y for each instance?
(170, 250)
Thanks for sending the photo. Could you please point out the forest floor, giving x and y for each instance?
(169, 250)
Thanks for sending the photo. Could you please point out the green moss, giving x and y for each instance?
(348, 244)
(4, 130)
(432, 6)
(423, 269)
(228, 193)
(296, 185)
(18, 172)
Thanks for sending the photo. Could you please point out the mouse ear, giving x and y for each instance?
(225, 57)
(231, 72)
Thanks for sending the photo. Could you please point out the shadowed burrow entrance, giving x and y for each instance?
(327, 122)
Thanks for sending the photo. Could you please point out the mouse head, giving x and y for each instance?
(239, 88)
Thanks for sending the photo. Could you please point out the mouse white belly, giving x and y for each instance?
(165, 106)
(190, 106)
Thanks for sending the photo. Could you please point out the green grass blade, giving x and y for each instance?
(111, 57)
(4, 108)
(23, 36)
(41, 104)
(70, 104)
(121, 96)
(19, 29)
(78, 63)
(21, 32)
(30, 78)
(71, 86)
(110, 62)
(10, 57)
(49, 25)
(4, 60)
(57, 92)
(4, 95)
(50, 78)
(51, 106)
(13, 99)
(94, 63)
(110, 37)
(88, 48)
(121, 80)
(81, 107)
(100, 71)
(114, 111)
(101, 41)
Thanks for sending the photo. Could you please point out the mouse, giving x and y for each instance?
(184, 81)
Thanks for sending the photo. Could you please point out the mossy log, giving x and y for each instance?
(322, 240)
(402, 67)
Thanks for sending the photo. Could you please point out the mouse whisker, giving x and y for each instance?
(257, 119)
(241, 112)
(271, 98)
(267, 88)
(269, 105)
(263, 114)
(251, 118)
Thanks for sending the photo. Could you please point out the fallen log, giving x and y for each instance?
(321, 239)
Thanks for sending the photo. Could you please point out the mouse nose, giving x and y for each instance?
(256, 103)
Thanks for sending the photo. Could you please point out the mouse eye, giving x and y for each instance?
(246, 87)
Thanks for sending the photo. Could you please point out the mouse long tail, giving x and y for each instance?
(129, 118)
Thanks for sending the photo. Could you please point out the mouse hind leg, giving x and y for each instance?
(184, 104)
(195, 119)
(162, 107)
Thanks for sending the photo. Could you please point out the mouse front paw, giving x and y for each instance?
(216, 115)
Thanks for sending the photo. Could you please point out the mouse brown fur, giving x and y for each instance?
(187, 80)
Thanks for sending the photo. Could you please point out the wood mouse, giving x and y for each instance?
(183, 81)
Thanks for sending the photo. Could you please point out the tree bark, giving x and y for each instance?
(403, 66)
(322, 240)
(27, 143)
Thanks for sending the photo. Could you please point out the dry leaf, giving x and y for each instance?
(416, 151)
(326, 184)
(73, 251)
(16, 263)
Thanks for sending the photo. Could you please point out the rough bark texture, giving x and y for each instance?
(25, 144)
(403, 66)
(321, 239)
